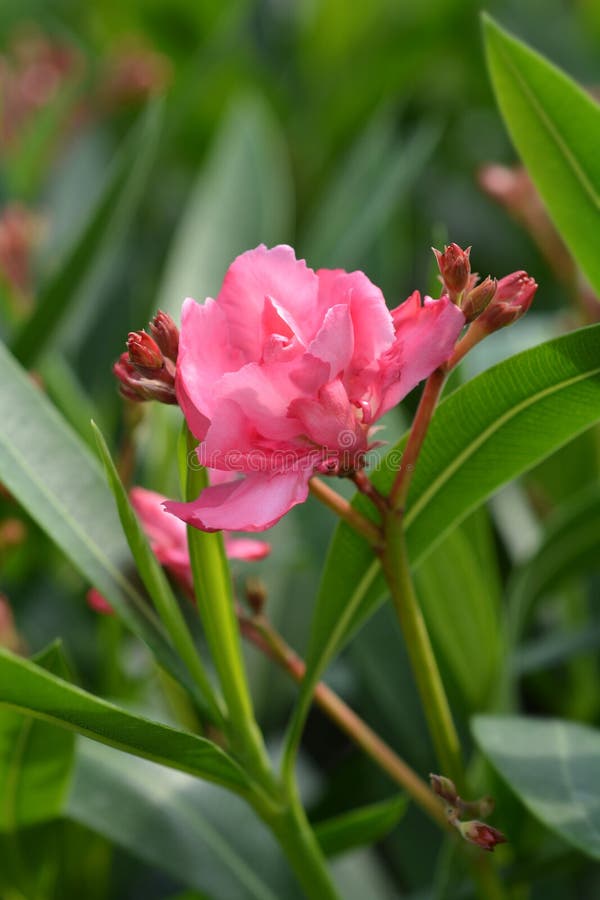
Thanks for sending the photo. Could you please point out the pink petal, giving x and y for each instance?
(334, 343)
(246, 548)
(330, 420)
(261, 273)
(251, 504)
(425, 338)
(371, 319)
(205, 353)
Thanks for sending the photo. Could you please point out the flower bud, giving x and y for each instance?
(481, 834)
(166, 334)
(144, 352)
(9, 636)
(137, 386)
(478, 299)
(444, 788)
(455, 268)
(97, 602)
(513, 297)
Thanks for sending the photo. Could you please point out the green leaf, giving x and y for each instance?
(156, 583)
(366, 825)
(107, 220)
(569, 546)
(36, 760)
(54, 476)
(243, 196)
(554, 125)
(178, 824)
(553, 767)
(371, 184)
(486, 433)
(29, 689)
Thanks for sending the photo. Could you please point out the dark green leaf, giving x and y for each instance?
(107, 219)
(366, 825)
(35, 760)
(553, 766)
(29, 689)
(555, 126)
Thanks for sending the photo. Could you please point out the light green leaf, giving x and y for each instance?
(107, 220)
(553, 767)
(366, 825)
(555, 126)
(178, 824)
(370, 186)
(53, 475)
(35, 760)
(243, 196)
(27, 688)
(486, 433)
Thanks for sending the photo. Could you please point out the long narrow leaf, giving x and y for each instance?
(555, 126)
(29, 689)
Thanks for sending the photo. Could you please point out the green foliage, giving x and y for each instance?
(553, 766)
(36, 760)
(360, 827)
(555, 126)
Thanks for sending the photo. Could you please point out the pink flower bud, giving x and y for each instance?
(513, 297)
(455, 268)
(98, 603)
(478, 299)
(139, 384)
(481, 834)
(144, 352)
(166, 334)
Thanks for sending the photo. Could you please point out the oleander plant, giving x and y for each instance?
(299, 520)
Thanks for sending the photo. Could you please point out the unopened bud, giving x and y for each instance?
(478, 299)
(166, 334)
(9, 636)
(256, 594)
(97, 602)
(481, 834)
(144, 352)
(136, 386)
(444, 788)
(513, 297)
(455, 268)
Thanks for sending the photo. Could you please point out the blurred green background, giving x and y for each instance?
(355, 132)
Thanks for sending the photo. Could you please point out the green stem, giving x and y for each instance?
(435, 703)
(214, 595)
(298, 842)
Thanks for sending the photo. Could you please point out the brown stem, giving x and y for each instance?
(429, 398)
(345, 511)
(366, 487)
(262, 634)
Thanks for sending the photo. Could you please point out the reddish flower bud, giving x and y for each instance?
(513, 297)
(455, 268)
(144, 352)
(98, 603)
(481, 834)
(137, 386)
(9, 636)
(444, 788)
(166, 334)
(476, 300)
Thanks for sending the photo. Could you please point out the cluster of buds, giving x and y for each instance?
(147, 370)
(494, 304)
(473, 830)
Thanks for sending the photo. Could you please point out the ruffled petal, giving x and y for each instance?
(261, 273)
(251, 504)
(334, 343)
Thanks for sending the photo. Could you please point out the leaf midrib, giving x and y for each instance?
(546, 121)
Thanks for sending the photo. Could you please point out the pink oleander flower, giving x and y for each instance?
(168, 540)
(285, 373)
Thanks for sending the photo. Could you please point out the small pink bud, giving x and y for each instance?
(135, 385)
(478, 299)
(144, 352)
(454, 267)
(513, 297)
(166, 334)
(98, 603)
(481, 834)
(444, 788)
